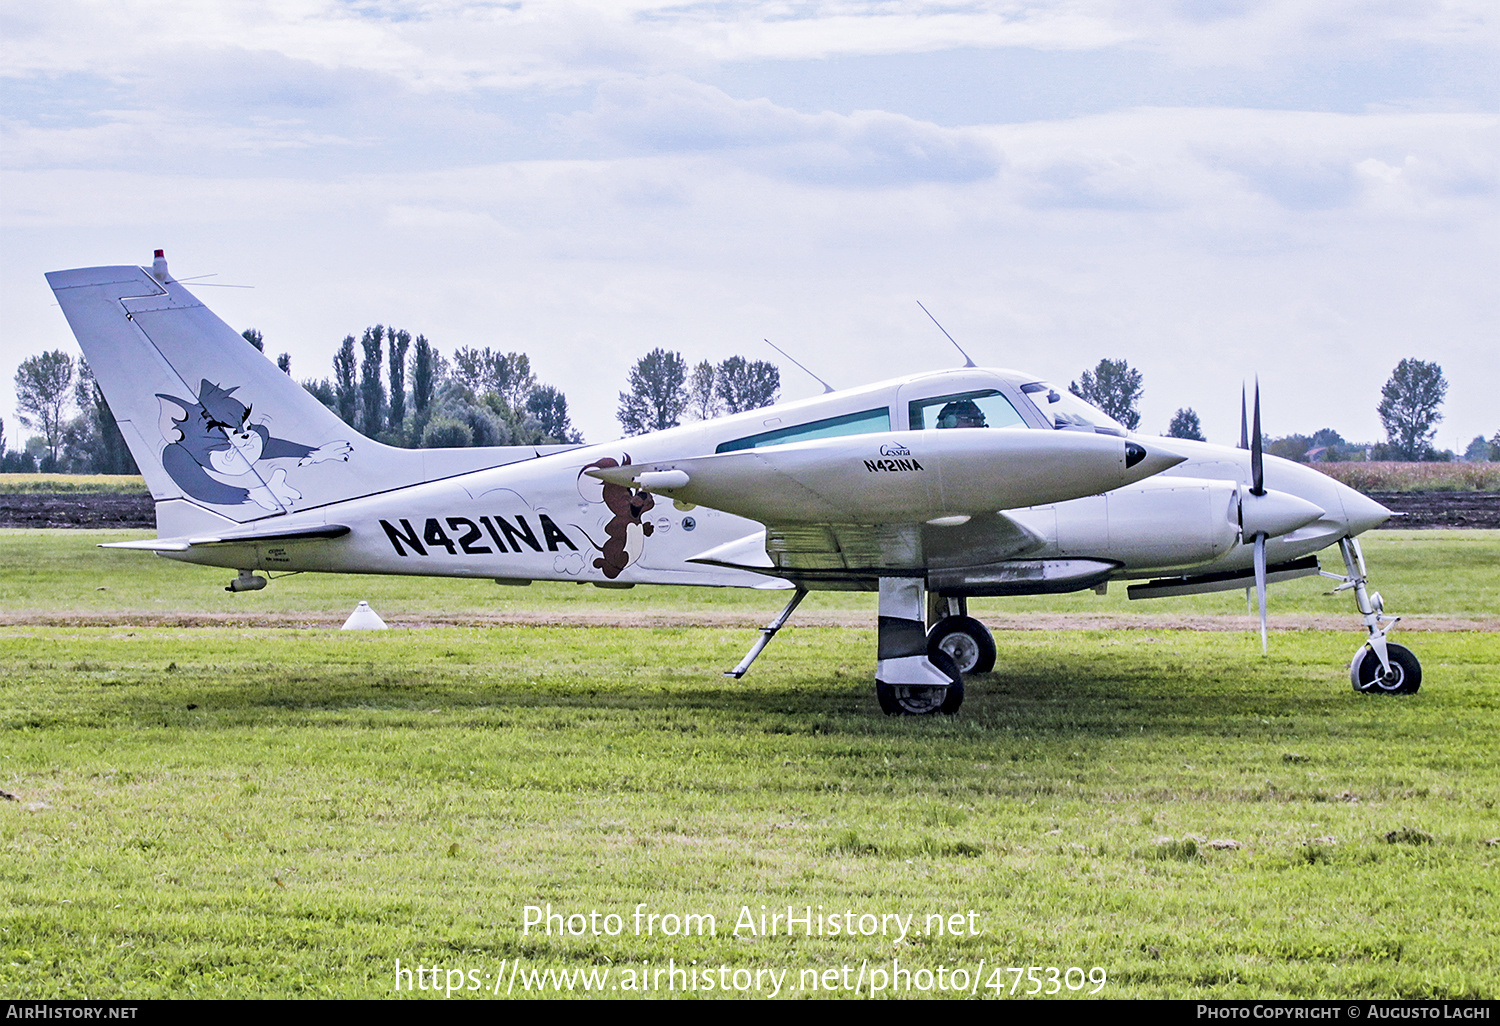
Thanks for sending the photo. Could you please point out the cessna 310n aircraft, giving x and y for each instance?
(870, 488)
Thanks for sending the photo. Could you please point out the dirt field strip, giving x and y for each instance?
(739, 621)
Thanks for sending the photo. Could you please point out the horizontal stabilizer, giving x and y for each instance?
(232, 538)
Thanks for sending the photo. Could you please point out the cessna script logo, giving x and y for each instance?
(894, 462)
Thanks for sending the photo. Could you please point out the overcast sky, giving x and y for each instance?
(1210, 189)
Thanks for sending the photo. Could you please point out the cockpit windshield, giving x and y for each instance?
(1068, 412)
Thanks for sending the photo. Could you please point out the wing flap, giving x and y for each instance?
(863, 551)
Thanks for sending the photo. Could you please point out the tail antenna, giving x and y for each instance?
(967, 361)
(826, 386)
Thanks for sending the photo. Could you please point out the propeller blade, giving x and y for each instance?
(1260, 585)
(1257, 461)
(1244, 427)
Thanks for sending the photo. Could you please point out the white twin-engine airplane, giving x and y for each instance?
(871, 489)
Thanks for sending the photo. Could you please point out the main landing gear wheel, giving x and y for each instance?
(966, 641)
(907, 700)
(1404, 678)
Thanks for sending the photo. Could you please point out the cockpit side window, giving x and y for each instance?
(985, 408)
(849, 424)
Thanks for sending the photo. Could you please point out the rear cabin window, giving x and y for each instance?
(849, 424)
(986, 408)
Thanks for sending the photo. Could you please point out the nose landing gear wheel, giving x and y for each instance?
(907, 700)
(1404, 678)
(966, 641)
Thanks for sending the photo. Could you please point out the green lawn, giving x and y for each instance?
(52, 572)
(244, 810)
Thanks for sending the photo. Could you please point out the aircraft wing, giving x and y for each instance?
(847, 511)
(902, 477)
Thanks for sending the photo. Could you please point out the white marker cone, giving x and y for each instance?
(364, 619)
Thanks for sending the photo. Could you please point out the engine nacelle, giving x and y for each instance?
(1156, 523)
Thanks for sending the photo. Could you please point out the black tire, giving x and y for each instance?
(1404, 679)
(966, 641)
(903, 700)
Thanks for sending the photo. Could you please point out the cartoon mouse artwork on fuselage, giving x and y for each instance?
(626, 531)
(213, 451)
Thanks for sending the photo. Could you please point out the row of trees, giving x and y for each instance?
(401, 390)
(57, 397)
(394, 387)
(1115, 387)
(663, 391)
(1408, 409)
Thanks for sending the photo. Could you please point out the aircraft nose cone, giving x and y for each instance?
(1142, 462)
(1361, 512)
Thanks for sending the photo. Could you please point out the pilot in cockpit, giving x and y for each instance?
(961, 413)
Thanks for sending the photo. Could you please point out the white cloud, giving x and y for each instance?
(672, 114)
(134, 138)
(1160, 248)
(564, 179)
(764, 31)
(1212, 162)
(1267, 33)
(453, 47)
(461, 46)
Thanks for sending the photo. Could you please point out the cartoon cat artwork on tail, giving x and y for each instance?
(213, 450)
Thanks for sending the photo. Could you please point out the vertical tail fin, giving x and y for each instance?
(220, 433)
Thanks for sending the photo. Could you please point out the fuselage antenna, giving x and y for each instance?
(826, 386)
(967, 362)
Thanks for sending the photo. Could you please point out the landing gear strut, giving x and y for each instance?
(1379, 667)
(766, 634)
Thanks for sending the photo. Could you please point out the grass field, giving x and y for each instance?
(243, 810)
(1388, 476)
(62, 576)
(64, 483)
